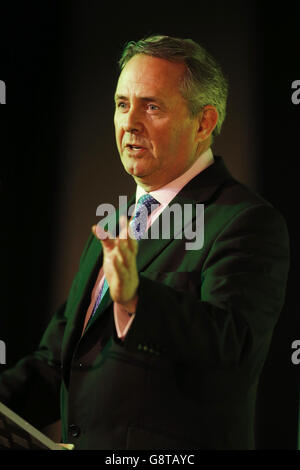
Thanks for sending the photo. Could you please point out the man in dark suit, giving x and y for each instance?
(159, 346)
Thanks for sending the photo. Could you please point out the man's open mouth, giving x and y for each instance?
(134, 147)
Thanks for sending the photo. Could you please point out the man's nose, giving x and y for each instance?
(133, 121)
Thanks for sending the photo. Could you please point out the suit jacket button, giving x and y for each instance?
(74, 430)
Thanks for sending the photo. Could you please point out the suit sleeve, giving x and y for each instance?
(32, 387)
(240, 293)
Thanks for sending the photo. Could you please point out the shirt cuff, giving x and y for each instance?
(123, 320)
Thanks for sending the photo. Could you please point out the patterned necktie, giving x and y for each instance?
(145, 205)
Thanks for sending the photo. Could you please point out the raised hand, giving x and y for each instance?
(119, 264)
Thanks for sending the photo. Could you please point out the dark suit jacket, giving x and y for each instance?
(186, 375)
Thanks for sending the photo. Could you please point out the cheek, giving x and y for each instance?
(175, 141)
(177, 148)
(183, 137)
(118, 137)
(163, 140)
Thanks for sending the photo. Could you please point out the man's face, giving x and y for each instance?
(156, 137)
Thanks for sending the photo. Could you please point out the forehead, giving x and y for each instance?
(150, 75)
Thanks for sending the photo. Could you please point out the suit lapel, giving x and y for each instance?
(86, 278)
(94, 259)
(199, 190)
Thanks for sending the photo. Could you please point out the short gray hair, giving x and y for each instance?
(203, 82)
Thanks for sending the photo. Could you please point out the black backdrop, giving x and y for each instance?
(58, 60)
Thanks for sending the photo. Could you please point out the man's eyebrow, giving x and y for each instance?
(142, 98)
(120, 97)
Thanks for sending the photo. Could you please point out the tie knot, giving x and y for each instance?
(145, 205)
(147, 201)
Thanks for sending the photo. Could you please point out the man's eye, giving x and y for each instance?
(121, 105)
(153, 107)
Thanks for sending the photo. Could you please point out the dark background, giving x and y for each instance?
(59, 162)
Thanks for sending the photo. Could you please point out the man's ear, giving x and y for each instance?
(208, 118)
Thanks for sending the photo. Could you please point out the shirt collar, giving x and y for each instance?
(165, 194)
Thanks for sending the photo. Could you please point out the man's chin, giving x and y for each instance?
(137, 170)
(142, 178)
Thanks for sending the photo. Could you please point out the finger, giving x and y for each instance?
(120, 265)
(126, 237)
(132, 243)
(126, 233)
(125, 254)
(131, 232)
(103, 236)
(99, 232)
(123, 223)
